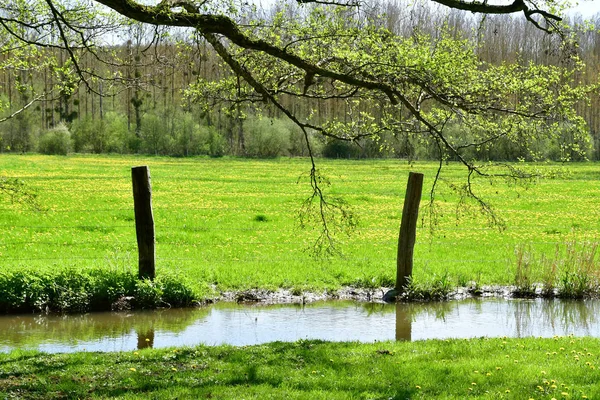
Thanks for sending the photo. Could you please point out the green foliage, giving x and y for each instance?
(19, 193)
(176, 291)
(579, 271)
(107, 288)
(16, 134)
(118, 137)
(179, 136)
(189, 140)
(216, 143)
(56, 141)
(107, 135)
(147, 294)
(435, 289)
(340, 149)
(154, 135)
(473, 109)
(524, 280)
(266, 138)
(89, 135)
(92, 290)
(573, 271)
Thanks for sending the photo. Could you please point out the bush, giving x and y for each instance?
(89, 135)
(82, 291)
(56, 141)
(188, 136)
(148, 294)
(340, 149)
(119, 138)
(155, 138)
(216, 143)
(108, 135)
(175, 293)
(266, 138)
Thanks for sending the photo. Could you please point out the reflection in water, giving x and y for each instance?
(338, 321)
(145, 339)
(403, 322)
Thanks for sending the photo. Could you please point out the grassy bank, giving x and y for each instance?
(231, 224)
(559, 368)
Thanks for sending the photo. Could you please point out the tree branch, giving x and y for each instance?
(25, 107)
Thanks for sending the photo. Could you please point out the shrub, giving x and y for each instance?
(119, 138)
(89, 135)
(340, 149)
(216, 144)
(175, 292)
(92, 290)
(56, 141)
(148, 294)
(107, 288)
(101, 135)
(188, 136)
(154, 135)
(266, 138)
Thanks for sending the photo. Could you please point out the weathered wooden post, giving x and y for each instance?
(408, 230)
(408, 234)
(144, 221)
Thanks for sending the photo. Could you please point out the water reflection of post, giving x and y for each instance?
(403, 322)
(145, 339)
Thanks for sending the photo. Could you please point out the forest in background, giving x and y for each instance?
(146, 106)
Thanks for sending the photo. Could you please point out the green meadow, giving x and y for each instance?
(554, 368)
(232, 224)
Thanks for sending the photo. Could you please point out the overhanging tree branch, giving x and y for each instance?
(25, 107)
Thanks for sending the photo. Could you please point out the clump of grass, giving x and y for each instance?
(92, 290)
(580, 271)
(373, 282)
(435, 289)
(549, 274)
(573, 273)
(260, 218)
(523, 282)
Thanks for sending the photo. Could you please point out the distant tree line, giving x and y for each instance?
(147, 106)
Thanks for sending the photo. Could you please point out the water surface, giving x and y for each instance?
(240, 325)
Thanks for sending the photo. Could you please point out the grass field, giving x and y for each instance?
(231, 224)
(555, 368)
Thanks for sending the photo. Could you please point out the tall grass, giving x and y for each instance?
(573, 271)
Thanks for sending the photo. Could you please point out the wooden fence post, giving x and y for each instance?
(144, 221)
(408, 230)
